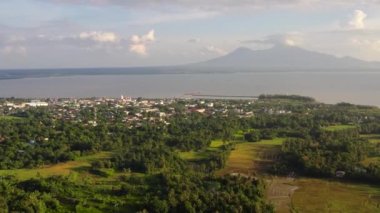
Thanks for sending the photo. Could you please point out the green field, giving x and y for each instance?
(202, 154)
(8, 118)
(314, 195)
(338, 127)
(249, 157)
(78, 165)
(239, 135)
(304, 195)
(372, 138)
(193, 155)
(216, 144)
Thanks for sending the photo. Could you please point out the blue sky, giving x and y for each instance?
(117, 33)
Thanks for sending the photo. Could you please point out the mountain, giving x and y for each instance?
(278, 58)
(281, 57)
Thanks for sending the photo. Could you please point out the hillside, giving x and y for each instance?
(282, 58)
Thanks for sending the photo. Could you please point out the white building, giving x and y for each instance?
(37, 103)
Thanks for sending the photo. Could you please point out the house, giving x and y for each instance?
(340, 174)
(210, 105)
(200, 110)
(37, 103)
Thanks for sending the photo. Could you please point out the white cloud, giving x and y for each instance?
(373, 44)
(139, 49)
(214, 50)
(288, 39)
(357, 20)
(14, 49)
(102, 37)
(139, 43)
(215, 5)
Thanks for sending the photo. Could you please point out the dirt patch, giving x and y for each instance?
(280, 191)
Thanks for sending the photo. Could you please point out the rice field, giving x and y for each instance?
(57, 169)
(338, 127)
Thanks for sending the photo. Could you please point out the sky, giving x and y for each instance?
(125, 33)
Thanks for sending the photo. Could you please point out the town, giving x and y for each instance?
(133, 111)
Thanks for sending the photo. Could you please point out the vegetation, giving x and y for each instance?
(190, 161)
(315, 195)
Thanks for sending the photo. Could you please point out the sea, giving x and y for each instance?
(328, 87)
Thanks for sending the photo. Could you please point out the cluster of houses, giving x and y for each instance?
(22, 105)
(132, 111)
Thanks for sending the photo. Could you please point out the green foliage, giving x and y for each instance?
(252, 136)
(147, 157)
(188, 193)
(332, 151)
(170, 167)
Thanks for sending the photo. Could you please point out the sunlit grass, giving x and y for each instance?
(202, 154)
(248, 156)
(9, 118)
(217, 143)
(372, 138)
(193, 155)
(315, 195)
(338, 127)
(58, 169)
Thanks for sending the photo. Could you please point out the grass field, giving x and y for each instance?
(249, 157)
(303, 195)
(193, 155)
(373, 160)
(338, 127)
(58, 169)
(239, 135)
(216, 144)
(203, 154)
(6, 117)
(315, 195)
(372, 138)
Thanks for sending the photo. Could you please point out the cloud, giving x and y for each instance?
(139, 43)
(87, 40)
(213, 5)
(357, 20)
(14, 50)
(288, 39)
(12, 45)
(102, 37)
(213, 50)
(373, 44)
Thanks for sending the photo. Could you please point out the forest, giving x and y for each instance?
(147, 169)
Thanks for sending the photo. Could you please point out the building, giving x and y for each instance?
(37, 103)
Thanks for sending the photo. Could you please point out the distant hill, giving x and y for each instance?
(282, 57)
(278, 58)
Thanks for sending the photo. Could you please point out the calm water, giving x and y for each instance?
(359, 88)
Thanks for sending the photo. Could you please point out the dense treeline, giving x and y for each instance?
(288, 97)
(179, 193)
(196, 131)
(148, 157)
(35, 139)
(29, 142)
(159, 193)
(328, 154)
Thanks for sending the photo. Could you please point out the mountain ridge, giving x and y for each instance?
(282, 57)
(276, 59)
